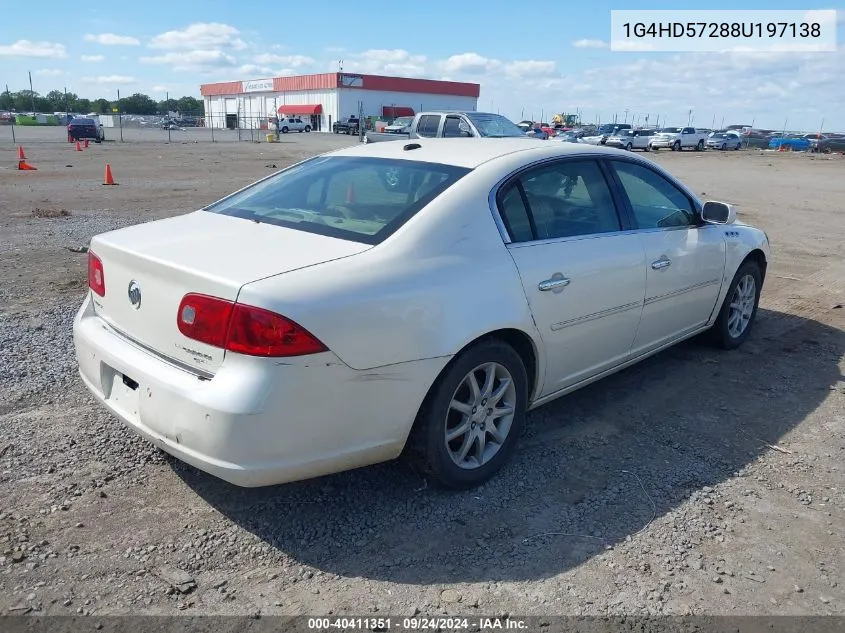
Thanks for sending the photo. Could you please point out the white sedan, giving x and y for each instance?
(393, 296)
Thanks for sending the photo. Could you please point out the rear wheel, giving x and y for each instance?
(736, 318)
(469, 422)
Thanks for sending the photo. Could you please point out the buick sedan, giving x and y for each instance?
(413, 298)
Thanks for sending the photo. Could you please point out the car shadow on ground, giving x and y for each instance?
(591, 468)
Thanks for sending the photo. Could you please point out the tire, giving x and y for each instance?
(629, 147)
(724, 146)
(427, 443)
(725, 333)
(655, 148)
(285, 129)
(738, 146)
(676, 147)
(307, 128)
(647, 148)
(700, 146)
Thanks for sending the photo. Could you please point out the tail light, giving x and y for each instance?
(96, 275)
(243, 329)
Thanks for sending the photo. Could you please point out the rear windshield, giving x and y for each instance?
(494, 125)
(354, 198)
(82, 121)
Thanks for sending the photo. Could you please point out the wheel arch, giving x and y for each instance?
(759, 257)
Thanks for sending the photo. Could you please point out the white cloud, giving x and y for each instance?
(110, 39)
(470, 64)
(530, 67)
(293, 61)
(194, 61)
(200, 35)
(159, 88)
(585, 43)
(92, 58)
(379, 61)
(631, 45)
(254, 70)
(27, 48)
(49, 72)
(110, 80)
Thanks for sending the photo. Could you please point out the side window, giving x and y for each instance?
(428, 125)
(514, 214)
(568, 199)
(655, 201)
(454, 127)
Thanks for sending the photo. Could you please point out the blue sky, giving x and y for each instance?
(527, 61)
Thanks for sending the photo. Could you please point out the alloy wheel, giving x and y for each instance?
(480, 415)
(742, 306)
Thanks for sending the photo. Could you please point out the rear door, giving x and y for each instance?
(428, 125)
(685, 260)
(584, 277)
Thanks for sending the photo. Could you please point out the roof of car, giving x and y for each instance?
(467, 152)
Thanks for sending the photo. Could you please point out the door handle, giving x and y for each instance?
(551, 284)
(663, 262)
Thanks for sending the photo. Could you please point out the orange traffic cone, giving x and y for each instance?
(78, 147)
(109, 180)
(21, 155)
(350, 194)
(86, 144)
(25, 166)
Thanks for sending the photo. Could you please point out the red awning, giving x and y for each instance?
(301, 109)
(391, 112)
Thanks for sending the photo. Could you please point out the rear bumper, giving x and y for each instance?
(257, 422)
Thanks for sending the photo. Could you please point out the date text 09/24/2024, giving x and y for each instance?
(416, 623)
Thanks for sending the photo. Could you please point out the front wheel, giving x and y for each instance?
(629, 147)
(736, 318)
(700, 146)
(285, 130)
(676, 147)
(469, 422)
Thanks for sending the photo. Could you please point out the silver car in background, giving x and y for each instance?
(724, 141)
(630, 139)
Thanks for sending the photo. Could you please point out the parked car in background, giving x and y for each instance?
(567, 137)
(318, 320)
(794, 143)
(678, 138)
(400, 125)
(457, 124)
(347, 125)
(292, 124)
(81, 128)
(829, 144)
(630, 139)
(724, 141)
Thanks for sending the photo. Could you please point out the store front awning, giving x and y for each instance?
(301, 109)
(392, 112)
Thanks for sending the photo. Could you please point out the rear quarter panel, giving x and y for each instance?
(444, 279)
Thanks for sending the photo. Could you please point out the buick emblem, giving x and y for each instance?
(134, 294)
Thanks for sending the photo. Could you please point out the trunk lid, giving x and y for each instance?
(200, 252)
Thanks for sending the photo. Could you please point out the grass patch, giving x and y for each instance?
(41, 212)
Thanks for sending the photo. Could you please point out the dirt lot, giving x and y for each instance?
(697, 482)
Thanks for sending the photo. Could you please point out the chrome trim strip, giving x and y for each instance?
(680, 291)
(596, 315)
(199, 373)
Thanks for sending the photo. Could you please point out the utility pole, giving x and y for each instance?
(9, 94)
(66, 108)
(626, 115)
(31, 93)
(119, 116)
(167, 107)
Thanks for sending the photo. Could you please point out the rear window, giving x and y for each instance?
(354, 198)
(81, 121)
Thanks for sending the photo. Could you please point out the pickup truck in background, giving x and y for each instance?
(678, 138)
(347, 125)
(452, 125)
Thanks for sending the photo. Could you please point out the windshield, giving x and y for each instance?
(403, 121)
(623, 133)
(720, 135)
(671, 130)
(494, 125)
(349, 197)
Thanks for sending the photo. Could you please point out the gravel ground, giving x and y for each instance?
(696, 482)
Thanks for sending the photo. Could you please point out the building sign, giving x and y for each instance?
(259, 85)
(351, 81)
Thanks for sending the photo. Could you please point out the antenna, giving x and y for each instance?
(340, 65)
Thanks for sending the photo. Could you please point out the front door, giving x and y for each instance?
(584, 279)
(685, 260)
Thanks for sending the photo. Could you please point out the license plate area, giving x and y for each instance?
(122, 392)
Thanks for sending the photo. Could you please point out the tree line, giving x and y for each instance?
(59, 101)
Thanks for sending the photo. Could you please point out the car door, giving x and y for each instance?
(584, 277)
(685, 259)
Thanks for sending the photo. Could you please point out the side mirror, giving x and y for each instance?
(718, 213)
